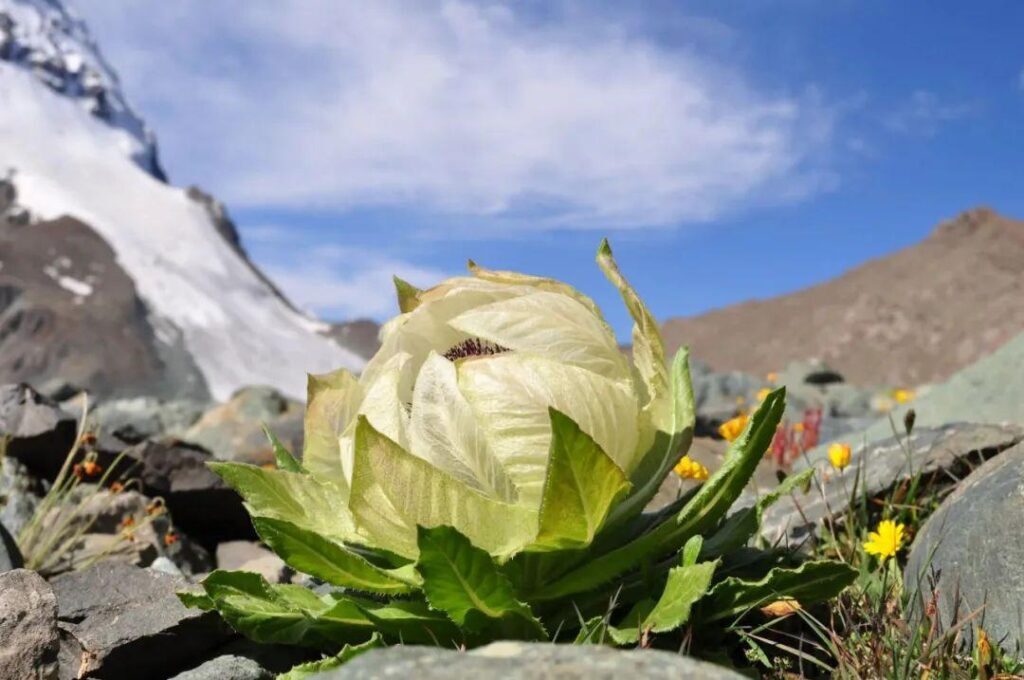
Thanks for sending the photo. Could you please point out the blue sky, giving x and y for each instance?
(729, 150)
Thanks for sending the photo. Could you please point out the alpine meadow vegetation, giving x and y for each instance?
(487, 477)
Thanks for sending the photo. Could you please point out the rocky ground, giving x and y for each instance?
(87, 589)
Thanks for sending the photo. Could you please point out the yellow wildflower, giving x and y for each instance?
(783, 607)
(763, 393)
(839, 455)
(688, 468)
(731, 429)
(902, 396)
(798, 427)
(771, 377)
(984, 648)
(886, 541)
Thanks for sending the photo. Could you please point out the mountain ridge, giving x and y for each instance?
(911, 317)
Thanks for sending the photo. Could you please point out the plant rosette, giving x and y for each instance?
(486, 477)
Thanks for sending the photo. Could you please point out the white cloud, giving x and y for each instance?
(345, 283)
(924, 113)
(453, 107)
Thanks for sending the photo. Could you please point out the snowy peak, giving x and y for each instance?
(54, 45)
(82, 201)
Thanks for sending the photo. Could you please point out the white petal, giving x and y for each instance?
(332, 400)
(511, 393)
(443, 431)
(550, 325)
(384, 406)
(426, 328)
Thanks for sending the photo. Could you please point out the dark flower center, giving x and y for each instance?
(474, 347)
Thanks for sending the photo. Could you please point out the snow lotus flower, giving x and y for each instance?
(451, 421)
(486, 477)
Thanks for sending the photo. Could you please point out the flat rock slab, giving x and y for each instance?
(881, 464)
(972, 552)
(28, 627)
(121, 621)
(524, 661)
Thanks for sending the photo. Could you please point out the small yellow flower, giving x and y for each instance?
(688, 468)
(902, 396)
(984, 648)
(731, 429)
(886, 541)
(763, 393)
(798, 427)
(839, 455)
(783, 607)
(771, 377)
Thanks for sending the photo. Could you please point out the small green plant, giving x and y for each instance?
(83, 490)
(878, 627)
(486, 478)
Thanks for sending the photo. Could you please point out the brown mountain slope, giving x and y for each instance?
(912, 317)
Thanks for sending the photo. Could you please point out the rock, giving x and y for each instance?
(10, 556)
(140, 418)
(29, 640)
(882, 464)
(20, 494)
(40, 433)
(227, 667)
(988, 391)
(119, 621)
(164, 565)
(234, 431)
(250, 556)
(524, 661)
(971, 552)
(811, 372)
(202, 505)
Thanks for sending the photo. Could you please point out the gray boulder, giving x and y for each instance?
(20, 494)
(525, 661)
(202, 505)
(881, 465)
(227, 667)
(972, 553)
(120, 621)
(136, 419)
(234, 430)
(28, 627)
(250, 556)
(39, 433)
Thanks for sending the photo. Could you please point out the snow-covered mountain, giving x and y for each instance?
(83, 178)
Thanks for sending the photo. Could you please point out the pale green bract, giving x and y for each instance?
(486, 477)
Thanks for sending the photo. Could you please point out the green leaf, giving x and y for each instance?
(347, 653)
(285, 460)
(414, 622)
(194, 600)
(741, 526)
(463, 581)
(394, 491)
(668, 447)
(648, 347)
(691, 551)
(310, 553)
(685, 585)
(809, 583)
(581, 485)
(408, 295)
(627, 632)
(701, 512)
(304, 500)
(286, 614)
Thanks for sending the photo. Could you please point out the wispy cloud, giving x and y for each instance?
(337, 282)
(456, 107)
(924, 113)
